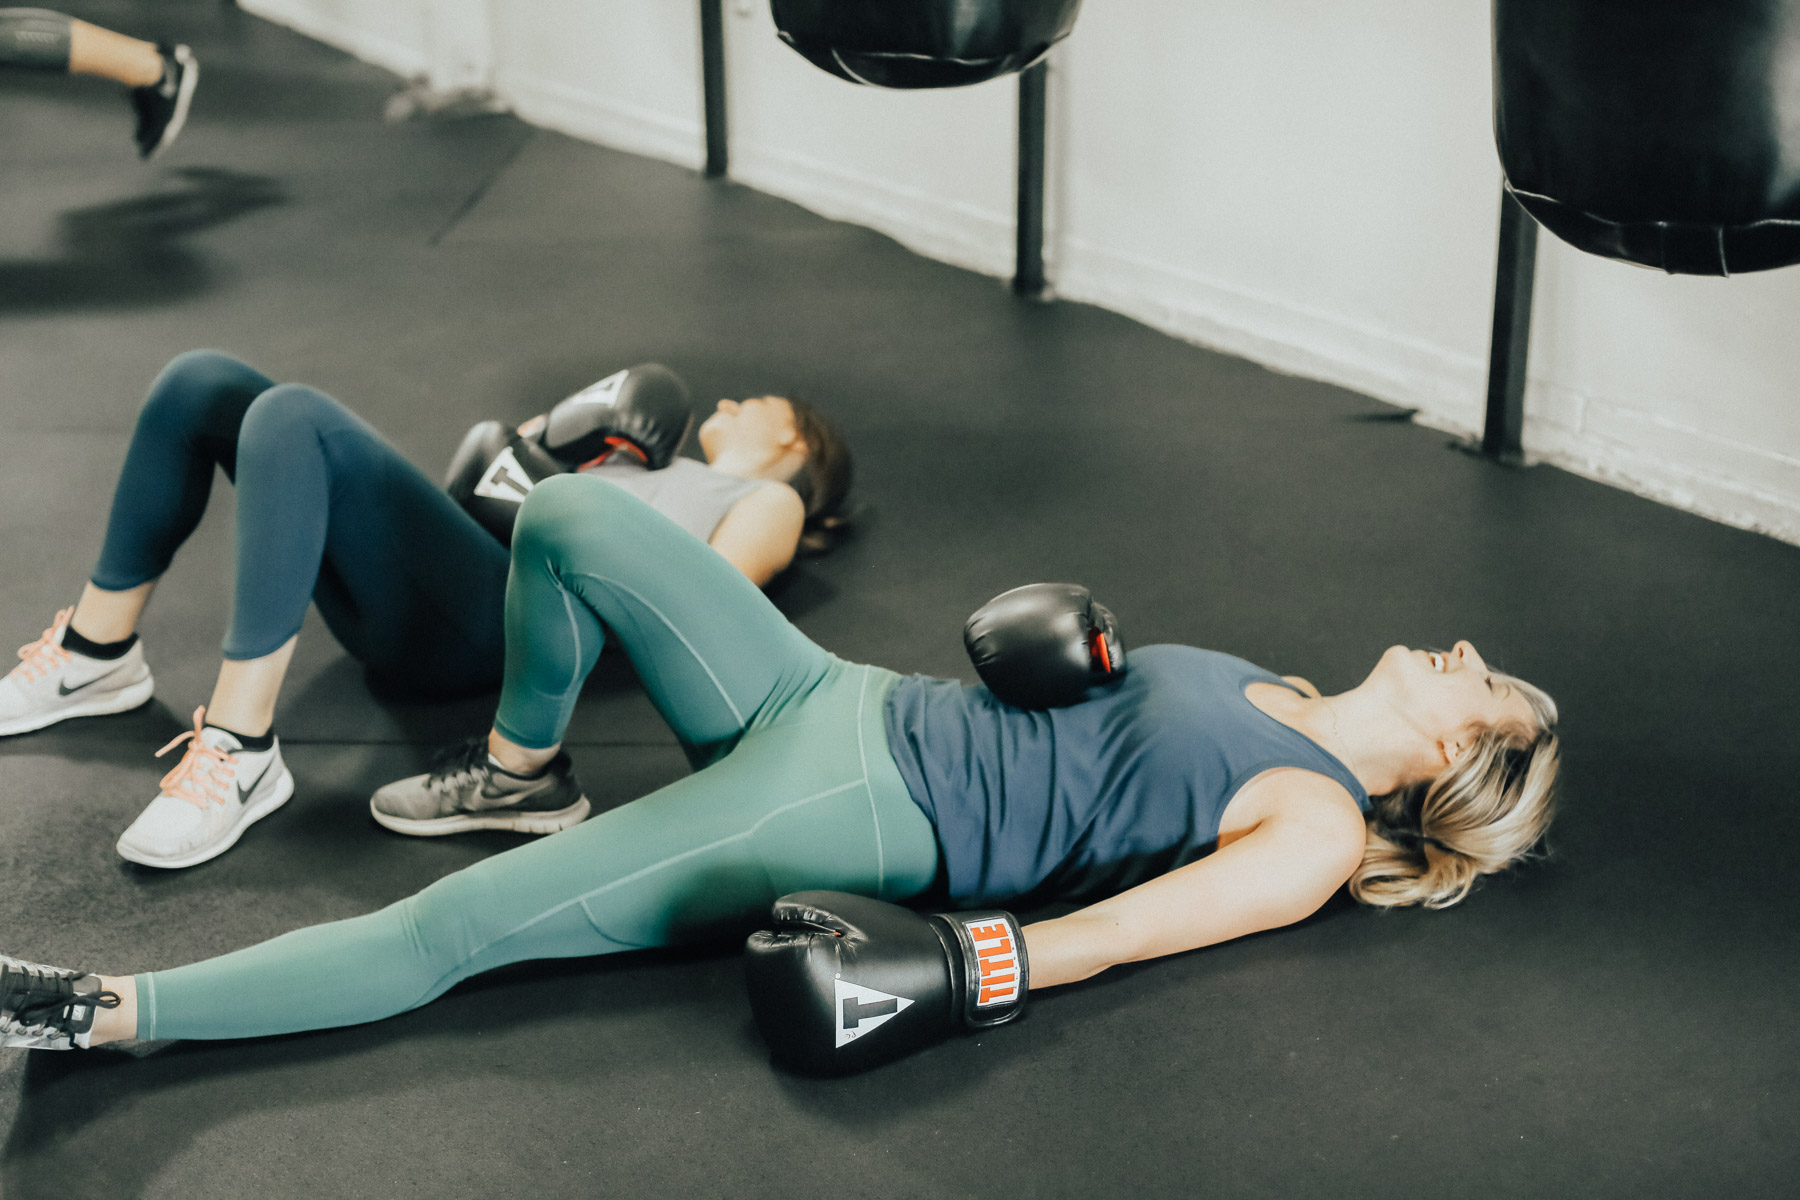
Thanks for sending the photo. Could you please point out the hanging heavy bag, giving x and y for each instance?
(923, 43)
(1656, 132)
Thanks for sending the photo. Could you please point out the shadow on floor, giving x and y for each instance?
(161, 1098)
(133, 253)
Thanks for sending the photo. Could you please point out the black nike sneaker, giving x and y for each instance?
(466, 791)
(47, 1008)
(162, 107)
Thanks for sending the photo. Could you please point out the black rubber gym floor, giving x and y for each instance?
(1618, 1020)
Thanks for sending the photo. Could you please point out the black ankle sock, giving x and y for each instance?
(256, 745)
(105, 651)
(537, 774)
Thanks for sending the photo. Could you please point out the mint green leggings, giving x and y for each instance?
(796, 789)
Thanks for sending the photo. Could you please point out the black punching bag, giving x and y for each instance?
(923, 43)
(1660, 132)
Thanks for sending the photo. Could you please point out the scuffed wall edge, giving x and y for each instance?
(1605, 439)
(1600, 438)
(1310, 342)
(960, 234)
(1737, 485)
(638, 130)
(304, 16)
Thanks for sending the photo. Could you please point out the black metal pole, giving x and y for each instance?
(712, 84)
(1514, 273)
(1028, 271)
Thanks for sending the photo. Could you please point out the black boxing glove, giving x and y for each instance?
(844, 982)
(493, 471)
(644, 410)
(1043, 645)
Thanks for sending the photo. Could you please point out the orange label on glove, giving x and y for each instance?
(998, 976)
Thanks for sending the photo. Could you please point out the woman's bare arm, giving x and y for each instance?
(1278, 873)
(760, 533)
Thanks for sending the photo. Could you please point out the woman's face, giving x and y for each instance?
(1446, 694)
(761, 427)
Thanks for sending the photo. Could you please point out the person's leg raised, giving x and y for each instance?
(591, 560)
(326, 511)
(713, 652)
(232, 773)
(89, 662)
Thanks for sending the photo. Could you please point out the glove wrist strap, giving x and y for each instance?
(995, 977)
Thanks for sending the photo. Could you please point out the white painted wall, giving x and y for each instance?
(1311, 185)
(622, 72)
(391, 34)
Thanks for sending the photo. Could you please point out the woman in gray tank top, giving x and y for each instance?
(329, 514)
(745, 500)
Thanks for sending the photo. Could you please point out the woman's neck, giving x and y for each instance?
(1361, 730)
(756, 464)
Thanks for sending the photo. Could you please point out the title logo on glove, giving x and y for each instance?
(998, 976)
(863, 1010)
(604, 392)
(504, 479)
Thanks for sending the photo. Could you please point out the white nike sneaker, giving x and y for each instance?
(51, 684)
(217, 791)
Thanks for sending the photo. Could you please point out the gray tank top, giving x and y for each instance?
(688, 492)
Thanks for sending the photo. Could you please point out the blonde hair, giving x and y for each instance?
(1429, 842)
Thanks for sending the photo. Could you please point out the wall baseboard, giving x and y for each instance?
(303, 16)
(1290, 338)
(637, 130)
(960, 234)
(1745, 486)
(1597, 437)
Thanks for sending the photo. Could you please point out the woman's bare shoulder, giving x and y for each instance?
(1304, 685)
(1295, 796)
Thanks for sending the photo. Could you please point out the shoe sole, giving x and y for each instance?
(190, 76)
(278, 796)
(135, 696)
(516, 822)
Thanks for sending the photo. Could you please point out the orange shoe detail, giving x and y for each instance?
(44, 655)
(194, 778)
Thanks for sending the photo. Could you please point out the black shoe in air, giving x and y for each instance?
(162, 107)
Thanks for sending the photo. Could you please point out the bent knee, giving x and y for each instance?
(186, 389)
(287, 411)
(292, 402)
(562, 504)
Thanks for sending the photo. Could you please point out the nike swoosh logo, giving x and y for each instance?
(63, 689)
(244, 792)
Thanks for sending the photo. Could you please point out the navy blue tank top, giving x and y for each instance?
(1086, 801)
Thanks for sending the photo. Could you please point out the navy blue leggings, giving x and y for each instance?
(326, 511)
